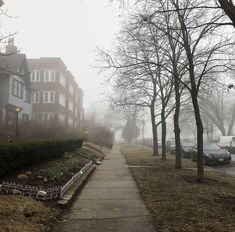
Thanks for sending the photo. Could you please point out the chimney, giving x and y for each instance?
(11, 48)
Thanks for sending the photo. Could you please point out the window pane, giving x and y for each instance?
(52, 97)
(47, 75)
(15, 88)
(52, 76)
(20, 90)
(38, 76)
(46, 97)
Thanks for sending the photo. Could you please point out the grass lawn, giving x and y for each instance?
(176, 201)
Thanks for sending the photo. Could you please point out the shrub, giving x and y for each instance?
(18, 155)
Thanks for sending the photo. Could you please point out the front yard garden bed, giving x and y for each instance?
(20, 213)
(176, 201)
(51, 177)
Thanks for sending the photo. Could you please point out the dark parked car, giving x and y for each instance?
(186, 149)
(212, 154)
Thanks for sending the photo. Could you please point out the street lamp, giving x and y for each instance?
(17, 114)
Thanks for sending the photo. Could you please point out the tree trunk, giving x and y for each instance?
(163, 134)
(229, 9)
(156, 144)
(200, 158)
(154, 131)
(178, 151)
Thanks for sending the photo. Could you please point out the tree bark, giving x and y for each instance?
(154, 130)
(200, 158)
(178, 151)
(163, 134)
(229, 9)
(194, 96)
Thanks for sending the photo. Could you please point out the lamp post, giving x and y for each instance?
(17, 114)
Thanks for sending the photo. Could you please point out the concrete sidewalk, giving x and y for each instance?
(109, 202)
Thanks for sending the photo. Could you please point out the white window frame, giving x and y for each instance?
(36, 97)
(52, 97)
(48, 97)
(46, 76)
(38, 75)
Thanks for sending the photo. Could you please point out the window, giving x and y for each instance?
(36, 97)
(17, 89)
(47, 78)
(62, 99)
(52, 97)
(38, 76)
(35, 75)
(52, 76)
(49, 97)
(46, 99)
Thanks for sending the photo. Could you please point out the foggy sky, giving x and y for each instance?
(69, 29)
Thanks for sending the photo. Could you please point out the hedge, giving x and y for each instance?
(14, 156)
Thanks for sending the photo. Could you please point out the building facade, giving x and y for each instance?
(56, 94)
(15, 88)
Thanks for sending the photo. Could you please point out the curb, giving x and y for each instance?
(77, 186)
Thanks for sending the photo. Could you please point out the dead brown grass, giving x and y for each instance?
(177, 201)
(19, 214)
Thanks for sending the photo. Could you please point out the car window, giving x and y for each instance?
(211, 146)
(188, 144)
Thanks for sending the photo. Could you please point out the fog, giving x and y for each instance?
(71, 30)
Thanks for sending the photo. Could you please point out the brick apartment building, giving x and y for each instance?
(56, 94)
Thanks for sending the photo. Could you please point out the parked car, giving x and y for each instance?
(186, 149)
(212, 153)
(227, 142)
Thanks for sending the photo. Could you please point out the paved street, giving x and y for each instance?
(110, 202)
(226, 168)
